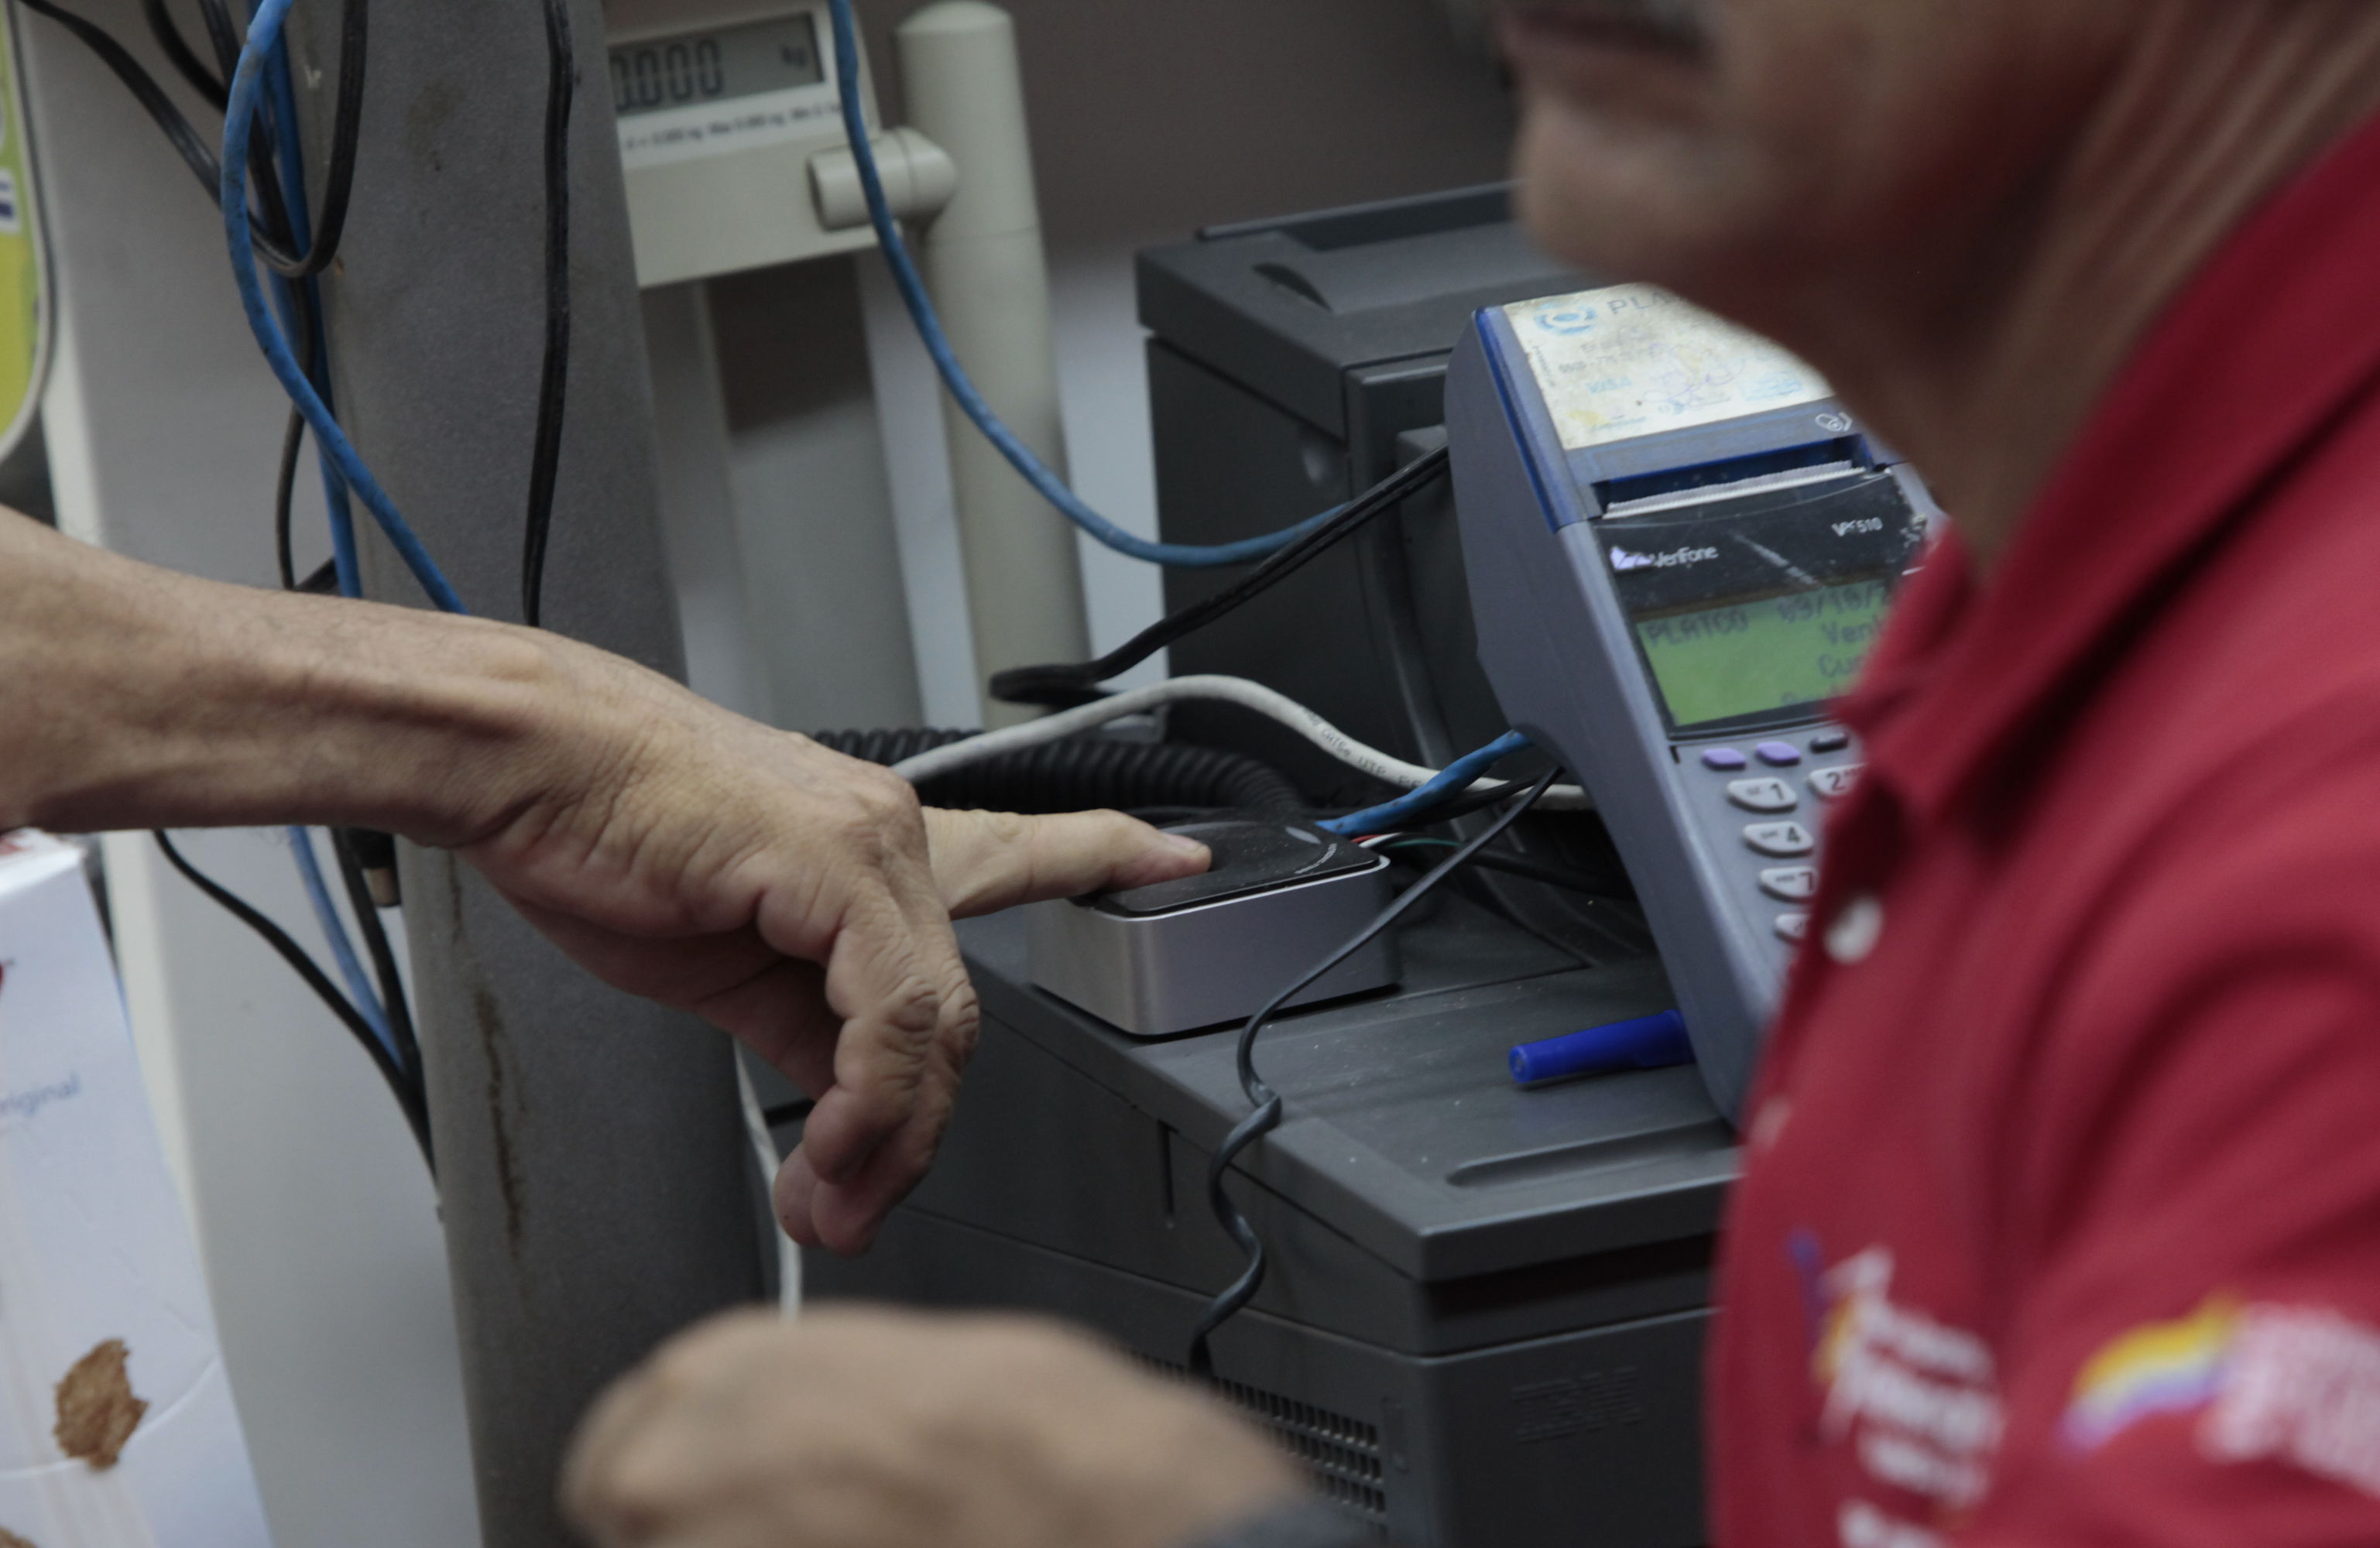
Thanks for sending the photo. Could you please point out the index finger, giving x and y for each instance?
(895, 978)
(987, 861)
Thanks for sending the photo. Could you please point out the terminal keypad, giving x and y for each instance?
(1773, 781)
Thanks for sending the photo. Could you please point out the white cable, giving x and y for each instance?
(1226, 690)
(764, 1151)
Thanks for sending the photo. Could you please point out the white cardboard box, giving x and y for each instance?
(98, 1263)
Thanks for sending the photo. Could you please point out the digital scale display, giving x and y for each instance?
(1767, 607)
(698, 68)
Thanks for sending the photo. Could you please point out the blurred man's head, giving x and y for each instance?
(1966, 210)
(1732, 145)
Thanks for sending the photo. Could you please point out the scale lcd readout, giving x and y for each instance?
(717, 93)
(701, 69)
(1755, 657)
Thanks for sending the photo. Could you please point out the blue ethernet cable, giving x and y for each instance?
(342, 948)
(247, 85)
(1457, 778)
(283, 126)
(912, 285)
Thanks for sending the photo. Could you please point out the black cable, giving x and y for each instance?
(1520, 921)
(1451, 811)
(1470, 806)
(273, 208)
(293, 441)
(346, 138)
(284, 492)
(1082, 773)
(791, 1112)
(275, 234)
(1088, 773)
(408, 1096)
(1267, 1103)
(545, 464)
(383, 956)
(1531, 870)
(1074, 685)
(151, 96)
(222, 36)
(272, 238)
(177, 51)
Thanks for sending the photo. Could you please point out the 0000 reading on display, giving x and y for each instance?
(715, 67)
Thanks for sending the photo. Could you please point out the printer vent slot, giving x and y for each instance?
(1342, 1455)
(1286, 278)
(1394, 219)
(1683, 1141)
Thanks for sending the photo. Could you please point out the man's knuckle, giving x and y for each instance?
(959, 1006)
(1006, 827)
(885, 798)
(917, 1005)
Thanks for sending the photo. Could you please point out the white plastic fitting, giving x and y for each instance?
(920, 180)
(984, 260)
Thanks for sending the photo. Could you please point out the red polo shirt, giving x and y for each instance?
(2062, 1219)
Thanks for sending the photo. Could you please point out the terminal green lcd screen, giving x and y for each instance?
(1758, 658)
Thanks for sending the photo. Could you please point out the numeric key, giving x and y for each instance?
(1834, 783)
(1763, 795)
(1780, 840)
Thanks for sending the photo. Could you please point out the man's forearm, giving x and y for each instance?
(137, 697)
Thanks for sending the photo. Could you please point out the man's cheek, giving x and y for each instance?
(1589, 194)
(1552, 205)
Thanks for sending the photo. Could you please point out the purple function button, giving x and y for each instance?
(1778, 755)
(1726, 760)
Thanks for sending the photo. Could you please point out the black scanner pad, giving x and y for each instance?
(1250, 857)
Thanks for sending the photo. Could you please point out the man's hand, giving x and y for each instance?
(798, 899)
(877, 1429)
(795, 897)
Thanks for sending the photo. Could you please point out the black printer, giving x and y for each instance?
(1484, 1320)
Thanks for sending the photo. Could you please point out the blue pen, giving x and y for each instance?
(1647, 1043)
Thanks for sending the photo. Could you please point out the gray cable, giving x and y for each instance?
(1249, 695)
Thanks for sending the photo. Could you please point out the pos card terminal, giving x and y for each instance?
(1680, 547)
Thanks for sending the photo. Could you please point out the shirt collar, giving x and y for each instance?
(2267, 347)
